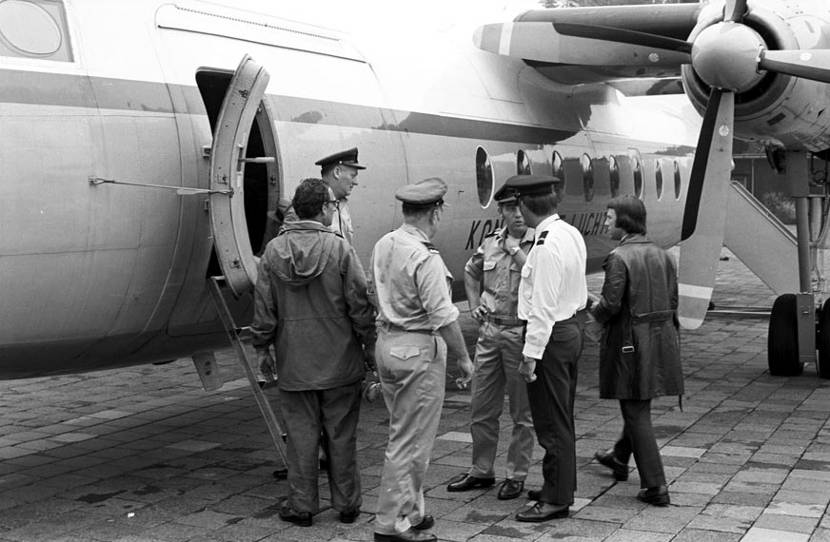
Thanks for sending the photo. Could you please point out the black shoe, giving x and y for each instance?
(618, 468)
(534, 494)
(427, 522)
(280, 474)
(349, 516)
(303, 519)
(542, 511)
(510, 489)
(466, 482)
(657, 496)
(406, 536)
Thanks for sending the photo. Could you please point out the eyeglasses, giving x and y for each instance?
(335, 202)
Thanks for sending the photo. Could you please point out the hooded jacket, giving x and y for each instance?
(311, 303)
(640, 346)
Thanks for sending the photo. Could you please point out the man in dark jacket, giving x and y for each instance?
(311, 303)
(640, 345)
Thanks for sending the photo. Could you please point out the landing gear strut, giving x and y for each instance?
(796, 326)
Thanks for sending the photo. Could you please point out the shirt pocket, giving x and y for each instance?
(404, 352)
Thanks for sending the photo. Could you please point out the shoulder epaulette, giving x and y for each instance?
(430, 247)
(542, 236)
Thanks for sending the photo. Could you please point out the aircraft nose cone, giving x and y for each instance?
(726, 55)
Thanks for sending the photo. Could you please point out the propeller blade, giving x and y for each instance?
(567, 43)
(813, 64)
(734, 10)
(705, 214)
(621, 35)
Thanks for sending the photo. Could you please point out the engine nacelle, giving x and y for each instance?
(779, 108)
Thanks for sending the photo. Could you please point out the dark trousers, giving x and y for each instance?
(332, 415)
(551, 398)
(638, 439)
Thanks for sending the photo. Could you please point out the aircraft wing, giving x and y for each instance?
(557, 44)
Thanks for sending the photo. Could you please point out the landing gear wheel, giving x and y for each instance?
(823, 340)
(782, 340)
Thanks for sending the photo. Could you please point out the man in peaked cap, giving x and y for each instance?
(496, 268)
(417, 324)
(551, 291)
(340, 171)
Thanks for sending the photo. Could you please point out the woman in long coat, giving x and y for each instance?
(640, 345)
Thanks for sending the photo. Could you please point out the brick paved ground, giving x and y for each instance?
(144, 454)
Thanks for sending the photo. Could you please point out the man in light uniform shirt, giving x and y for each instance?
(417, 324)
(552, 290)
(496, 268)
(339, 171)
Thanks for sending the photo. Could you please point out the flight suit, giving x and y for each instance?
(497, 358)
(412, 361)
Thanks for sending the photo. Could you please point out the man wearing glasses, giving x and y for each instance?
(311, 303)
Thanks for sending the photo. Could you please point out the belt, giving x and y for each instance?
(499, 321)
(386, 326)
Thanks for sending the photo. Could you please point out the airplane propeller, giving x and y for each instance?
(730, 57)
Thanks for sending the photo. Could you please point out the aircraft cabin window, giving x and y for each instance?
(637, 172)
(558, 171)
(587, 176)
(34, 29)
(522, 163)
(484, 177)
(658, 178)
(677, 184)
(614, 176)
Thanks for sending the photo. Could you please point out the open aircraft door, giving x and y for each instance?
(241, 106)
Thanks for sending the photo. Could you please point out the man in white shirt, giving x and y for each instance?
(551, 291)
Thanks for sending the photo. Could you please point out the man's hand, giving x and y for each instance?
(467, 369)
(480, 313)
(267, 365)
(527, 368)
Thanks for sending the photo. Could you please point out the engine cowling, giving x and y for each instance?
(774, 107)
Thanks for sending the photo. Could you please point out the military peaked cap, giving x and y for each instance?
(424, 193)
(531, 185)
(505, 194)
(346, 158)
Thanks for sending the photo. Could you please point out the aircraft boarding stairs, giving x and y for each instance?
(761, 241)
(205, 363)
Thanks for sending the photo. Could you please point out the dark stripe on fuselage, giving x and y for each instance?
(66, 90)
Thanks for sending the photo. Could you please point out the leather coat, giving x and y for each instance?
(640, 346)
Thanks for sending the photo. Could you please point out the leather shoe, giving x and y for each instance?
(618, 468)
(658, 496)
(510, 489)
(542, 511)
(349, 516)
(303, 519)
(534, 494)
(466, 482)
(407, 536)
(427, 522)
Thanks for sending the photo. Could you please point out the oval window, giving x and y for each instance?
(677, 183)
(587, 176)
(558, 171)
(658, 178)
(614, 176)
(29, 28)
(637, 173)
(522, 163)
(484, 177)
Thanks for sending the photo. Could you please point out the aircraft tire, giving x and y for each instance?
(782, 340)
(823, 340)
